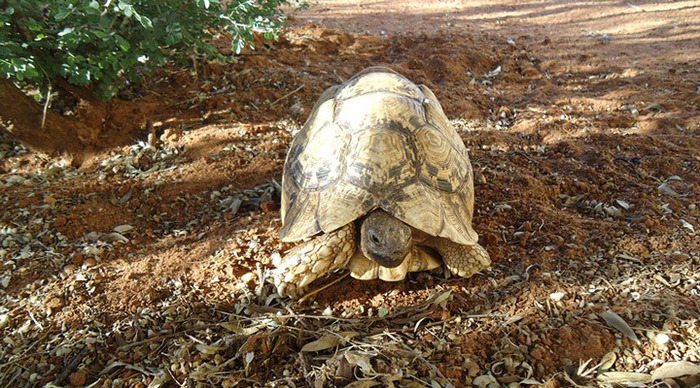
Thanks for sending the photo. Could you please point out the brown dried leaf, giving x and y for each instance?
(362, 384)
(208, 349)
(323, 343)
(361, 360)
(238, 329)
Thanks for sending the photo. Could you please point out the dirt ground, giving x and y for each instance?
(146, 266)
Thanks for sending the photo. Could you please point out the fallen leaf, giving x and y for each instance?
(161, 380)
(323, 343)
(360, 360)
(607, 362)
(123, 228)
(624, 204)
(666, 189)
(442, 297)
(484, 381)
(362, 384)
(670, 370)
(113, 237)
(688, 225)
(624, 378)
(208, 349)
(529, 381)
(615, 321)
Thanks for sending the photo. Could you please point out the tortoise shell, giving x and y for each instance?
(378, 141)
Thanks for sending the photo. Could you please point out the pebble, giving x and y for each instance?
(60, 221)
(472, 367)
(77, 259)
(557, 296)
(247, 277)
(269, 206)
(54, 303)
(78, 379)
(661, 339)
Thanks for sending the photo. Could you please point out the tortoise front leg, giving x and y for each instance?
(462, 260)
(314, 259)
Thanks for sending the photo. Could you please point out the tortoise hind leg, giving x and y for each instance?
(462, 260)
(313, 259)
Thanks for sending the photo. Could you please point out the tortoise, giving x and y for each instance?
(378, 182)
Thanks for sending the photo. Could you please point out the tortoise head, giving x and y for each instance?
(385, 239)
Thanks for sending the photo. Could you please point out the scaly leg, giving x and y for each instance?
(462, 260)
(314, 259)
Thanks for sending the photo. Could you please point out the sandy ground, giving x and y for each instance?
(146, 266)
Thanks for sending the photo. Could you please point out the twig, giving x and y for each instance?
(526, 156)
(287, 95)
(46, 106)
(428, 363)
(164, 336)
(74, 362)
(314, 292)
(31, 316)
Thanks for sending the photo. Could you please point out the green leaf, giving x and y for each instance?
(66, 31)
(122, 43)
(107, 43)
(62, 14)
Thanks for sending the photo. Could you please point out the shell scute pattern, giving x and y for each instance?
(342, 202)
(366, 170)
(382, 108)
(320, 163)
(437, 118)
(378, 141)
(376, 80)
(442, 166)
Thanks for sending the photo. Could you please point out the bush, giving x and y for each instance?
(105, 43)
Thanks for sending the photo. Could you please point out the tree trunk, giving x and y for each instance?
(21, 116)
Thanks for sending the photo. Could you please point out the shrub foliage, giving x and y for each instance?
(105, 43)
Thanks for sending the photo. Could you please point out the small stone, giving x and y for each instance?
(661, 339)
(90, 262)
(4, 320)
(69, 269)
(269, 206)
(78, 379)
(54, 303)
(247, 277)
(60, 221)
(472, 368)
(49, 200)
(557, 296)
(77, 259)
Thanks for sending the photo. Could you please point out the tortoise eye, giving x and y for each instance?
(373, 237)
